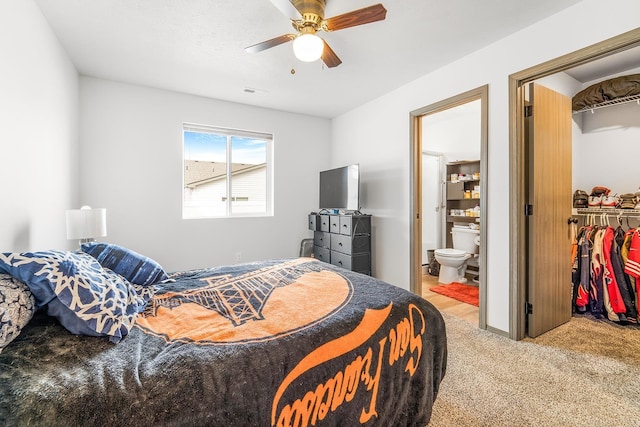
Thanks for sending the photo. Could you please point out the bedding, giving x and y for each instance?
(136, 268)
(86, 298)
(16, 308)
(292, 342)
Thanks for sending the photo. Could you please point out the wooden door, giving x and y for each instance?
(550, 202)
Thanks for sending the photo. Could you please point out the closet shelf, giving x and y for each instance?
(609, 211)
(609, 103)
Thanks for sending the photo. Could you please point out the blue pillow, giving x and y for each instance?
(86, 298)
(131, 265)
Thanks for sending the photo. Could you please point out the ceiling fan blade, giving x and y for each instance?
(374, 13)
(287, 8)
(329, 57)
(270, 43)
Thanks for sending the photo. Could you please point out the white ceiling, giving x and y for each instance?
(197, 46)
(608, 66)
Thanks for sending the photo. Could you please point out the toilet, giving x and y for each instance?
(453, 262)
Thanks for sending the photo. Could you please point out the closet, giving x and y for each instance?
(603, 151)
(606, 131)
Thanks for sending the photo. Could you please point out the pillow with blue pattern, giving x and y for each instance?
(16, 308)
(134, 267)
(86, 298)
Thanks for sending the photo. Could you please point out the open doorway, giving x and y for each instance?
(523, 264)
(441, 212)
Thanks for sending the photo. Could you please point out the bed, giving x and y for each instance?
(288, 342)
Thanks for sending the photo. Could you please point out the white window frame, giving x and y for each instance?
(229, 133)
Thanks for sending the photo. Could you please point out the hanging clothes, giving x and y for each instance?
(612, 298)
(596, 293)
(622, 279)
(601, 262)
(582, 262)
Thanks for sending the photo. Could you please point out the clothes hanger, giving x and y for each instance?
(604, 219)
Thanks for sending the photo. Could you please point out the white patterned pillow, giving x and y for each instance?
(16, 308)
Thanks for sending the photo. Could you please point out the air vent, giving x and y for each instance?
(253, 90)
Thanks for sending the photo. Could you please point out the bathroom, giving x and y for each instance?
(451, 153)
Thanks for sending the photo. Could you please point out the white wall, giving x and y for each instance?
(607, 153)
(455, 132)
(376, 135)
(131, 164)
(38, 131)
(606, 146)
(605, 142)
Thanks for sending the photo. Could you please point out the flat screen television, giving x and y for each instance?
(340, 188)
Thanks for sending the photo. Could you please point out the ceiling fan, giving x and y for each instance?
(307, 18)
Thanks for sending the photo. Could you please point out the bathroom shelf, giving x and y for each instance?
(455, 191)
(458, 218)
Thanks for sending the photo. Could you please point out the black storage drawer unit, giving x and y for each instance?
(314, 222)
(358, 262)
(323, 254)
(343, 240)
(334, 223)
(324, 223)
(350, 244)
(322, 239)
(355, 225)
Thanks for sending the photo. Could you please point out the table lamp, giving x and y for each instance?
(85, 224)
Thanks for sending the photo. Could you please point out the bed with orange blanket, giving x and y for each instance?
(292, 342)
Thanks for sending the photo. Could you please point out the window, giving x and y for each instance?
(219, 162)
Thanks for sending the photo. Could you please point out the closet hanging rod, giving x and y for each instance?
(603, 215)
(609, 211)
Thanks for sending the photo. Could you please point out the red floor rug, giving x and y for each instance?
(459, 291)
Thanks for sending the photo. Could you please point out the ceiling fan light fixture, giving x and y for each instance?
(308, 47)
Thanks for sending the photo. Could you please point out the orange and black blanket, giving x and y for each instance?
(293, 342)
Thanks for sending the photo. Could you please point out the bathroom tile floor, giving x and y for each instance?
(448, 305)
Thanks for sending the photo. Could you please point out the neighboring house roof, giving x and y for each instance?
(198, 172)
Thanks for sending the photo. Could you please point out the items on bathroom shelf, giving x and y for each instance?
(475, 193)
(471, 212)
(457, 177)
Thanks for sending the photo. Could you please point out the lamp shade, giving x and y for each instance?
(308, 47)
(86, 223)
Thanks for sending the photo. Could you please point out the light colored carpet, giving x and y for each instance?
(584, 373)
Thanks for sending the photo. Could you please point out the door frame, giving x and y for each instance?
(518, 158)
(415, 246)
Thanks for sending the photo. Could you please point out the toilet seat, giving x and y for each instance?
(450, 253)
